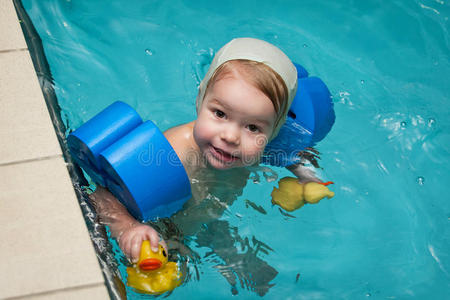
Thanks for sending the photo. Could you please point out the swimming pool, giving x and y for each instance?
(386, 234)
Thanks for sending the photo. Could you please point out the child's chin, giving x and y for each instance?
(220, 165)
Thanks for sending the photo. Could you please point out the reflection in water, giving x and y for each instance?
(240, 262)
(199, 223)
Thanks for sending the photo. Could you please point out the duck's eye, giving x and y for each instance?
(164, 253)
(220, 114)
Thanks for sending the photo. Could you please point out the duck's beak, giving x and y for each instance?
(150, 264)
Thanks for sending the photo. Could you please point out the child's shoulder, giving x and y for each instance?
(180, 131)
(181, 138)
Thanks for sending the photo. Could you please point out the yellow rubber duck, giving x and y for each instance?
(152, 273)
(292, 195)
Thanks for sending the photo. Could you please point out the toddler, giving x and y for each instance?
(241, 105)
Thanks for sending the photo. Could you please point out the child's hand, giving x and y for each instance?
(303, 173)
(131, 239)
(128, 231)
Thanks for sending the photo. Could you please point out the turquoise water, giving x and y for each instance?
(386, 233)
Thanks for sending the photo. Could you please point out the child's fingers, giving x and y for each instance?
(125, 245)
(135, 248)
(154, 239)
(121, 241)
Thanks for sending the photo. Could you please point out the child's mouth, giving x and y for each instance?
(223, 155)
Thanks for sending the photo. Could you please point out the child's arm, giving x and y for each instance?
(128, 231)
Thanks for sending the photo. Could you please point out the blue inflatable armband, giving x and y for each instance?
(309, 120)
(133, 160)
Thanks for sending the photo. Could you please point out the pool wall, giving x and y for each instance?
(46, 249)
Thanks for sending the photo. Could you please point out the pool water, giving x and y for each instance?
(386, 233)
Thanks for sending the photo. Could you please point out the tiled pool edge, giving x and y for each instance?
(16, 171)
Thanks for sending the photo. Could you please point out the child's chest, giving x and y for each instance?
(212, 194)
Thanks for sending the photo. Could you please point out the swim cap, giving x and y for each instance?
(260, 51)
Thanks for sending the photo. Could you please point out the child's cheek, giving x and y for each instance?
(255, 147)
(259, 142)
(201, 132)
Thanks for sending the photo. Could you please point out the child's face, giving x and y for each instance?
(234, 123)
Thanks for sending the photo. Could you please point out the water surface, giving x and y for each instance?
(386, 233)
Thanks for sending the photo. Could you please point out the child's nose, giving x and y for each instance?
(231, 135)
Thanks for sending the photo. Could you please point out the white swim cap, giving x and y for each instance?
(260, 51)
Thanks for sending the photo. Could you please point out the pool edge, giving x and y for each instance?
(81, 285)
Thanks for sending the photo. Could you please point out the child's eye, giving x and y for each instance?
(220, 114)
(253, 128)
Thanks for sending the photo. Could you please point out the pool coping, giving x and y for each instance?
(34, 164)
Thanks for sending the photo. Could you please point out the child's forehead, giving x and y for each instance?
(235, 72)
(233, 69)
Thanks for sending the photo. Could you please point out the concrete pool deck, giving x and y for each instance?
(46, 252)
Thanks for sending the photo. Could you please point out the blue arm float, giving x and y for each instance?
(143, 166)
(312, 107)
(134, 160)
(87, 142)
(309, 120)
